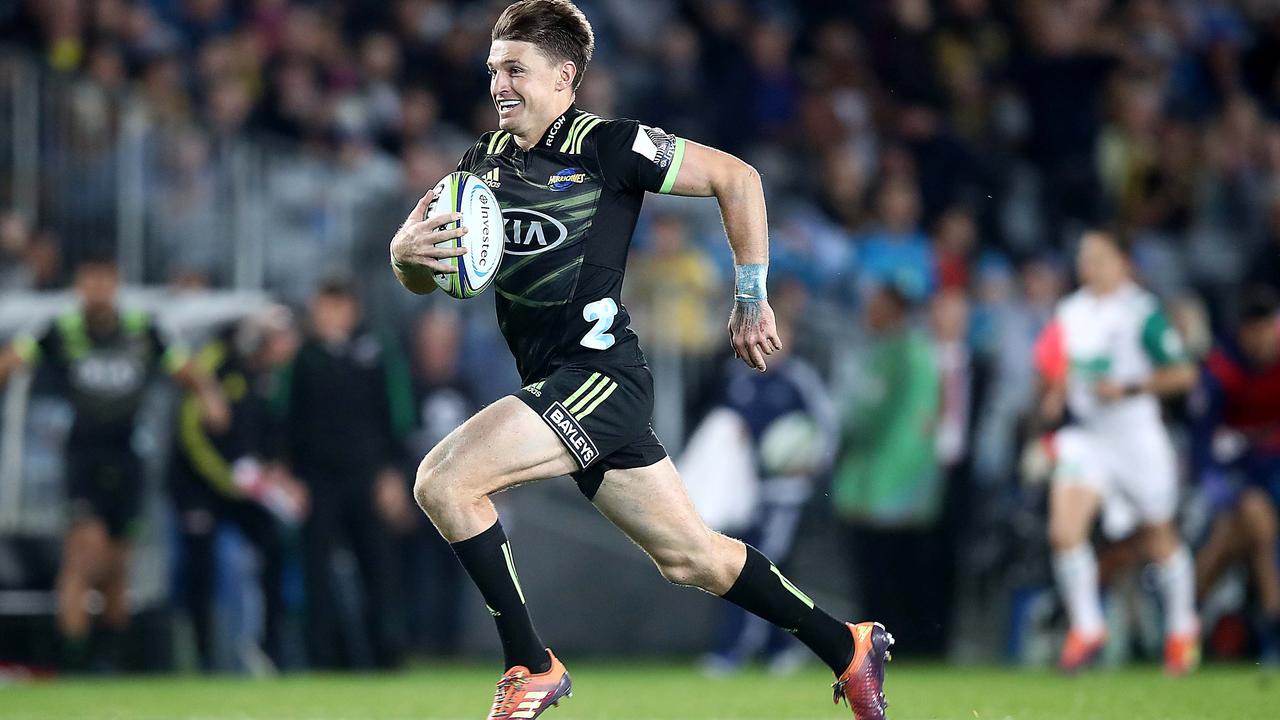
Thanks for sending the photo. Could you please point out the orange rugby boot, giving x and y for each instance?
(1182, 653)
(522, 695)
(861, 685)
(1081, 650)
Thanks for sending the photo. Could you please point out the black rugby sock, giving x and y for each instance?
(763, 591)
(487, 559)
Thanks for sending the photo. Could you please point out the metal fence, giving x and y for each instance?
(106, 169)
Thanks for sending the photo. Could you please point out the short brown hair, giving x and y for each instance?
(1115, 236)
(556, 27)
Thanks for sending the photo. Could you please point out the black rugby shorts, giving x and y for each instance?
(602, 415)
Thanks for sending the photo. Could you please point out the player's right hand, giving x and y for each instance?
(416, 242)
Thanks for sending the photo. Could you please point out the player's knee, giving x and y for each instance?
(437, 487)
(694, 566)
(681, 568)
(428, 485)
(1161, 541)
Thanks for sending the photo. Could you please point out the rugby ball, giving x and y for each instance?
(791, 445)
(467, 194)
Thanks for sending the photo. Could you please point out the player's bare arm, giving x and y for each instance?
(415, 254)
(1053, 404)
(10, 361)
(707, 172)
(213, 405)
(1169, 381)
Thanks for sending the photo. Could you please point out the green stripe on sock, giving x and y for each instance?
(792, 588)
(511, 567)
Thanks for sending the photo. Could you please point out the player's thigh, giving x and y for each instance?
(1072, 510)
(1258, 517)
(1075, 495)
(651, 506)
(1145, 468)
(84, 550)
(115, 581)
(501, 446)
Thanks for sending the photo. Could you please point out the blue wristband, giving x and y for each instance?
(749, 282)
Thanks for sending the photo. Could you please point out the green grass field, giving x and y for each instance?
(662, 692)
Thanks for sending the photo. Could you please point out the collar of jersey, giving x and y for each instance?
(564, 120)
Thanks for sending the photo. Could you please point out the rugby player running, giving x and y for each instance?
(570, 185)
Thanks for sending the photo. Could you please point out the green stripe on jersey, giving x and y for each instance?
(588, 127)
(573, 265)
(577, 123)
(27, 347)
(519, 300)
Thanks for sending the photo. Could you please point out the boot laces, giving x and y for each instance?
(504, 696)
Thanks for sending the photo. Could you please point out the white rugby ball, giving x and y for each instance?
(467, 194)
(791, 445)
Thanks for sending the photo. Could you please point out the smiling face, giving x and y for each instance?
(528, 89)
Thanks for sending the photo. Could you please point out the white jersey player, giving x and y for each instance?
(1106, 357)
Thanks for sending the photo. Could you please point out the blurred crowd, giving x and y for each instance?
(929, 167)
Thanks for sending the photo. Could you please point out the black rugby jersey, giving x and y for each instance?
(104, 374)
(569, 206)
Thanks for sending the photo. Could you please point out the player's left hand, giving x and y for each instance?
(417, 242)
(752, 333)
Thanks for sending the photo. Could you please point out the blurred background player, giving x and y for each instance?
(221, 478)
(103, 357)
(1237, 453)
(1106, 357)
(346, 402)
(789, 423)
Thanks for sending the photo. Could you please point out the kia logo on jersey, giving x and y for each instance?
(529, 232)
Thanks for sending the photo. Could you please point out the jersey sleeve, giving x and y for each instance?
(1050, 353)
(33, 349)
(173, 354)
(1161, 341)
(638, 158)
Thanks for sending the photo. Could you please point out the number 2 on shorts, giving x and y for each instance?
(602, 313)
